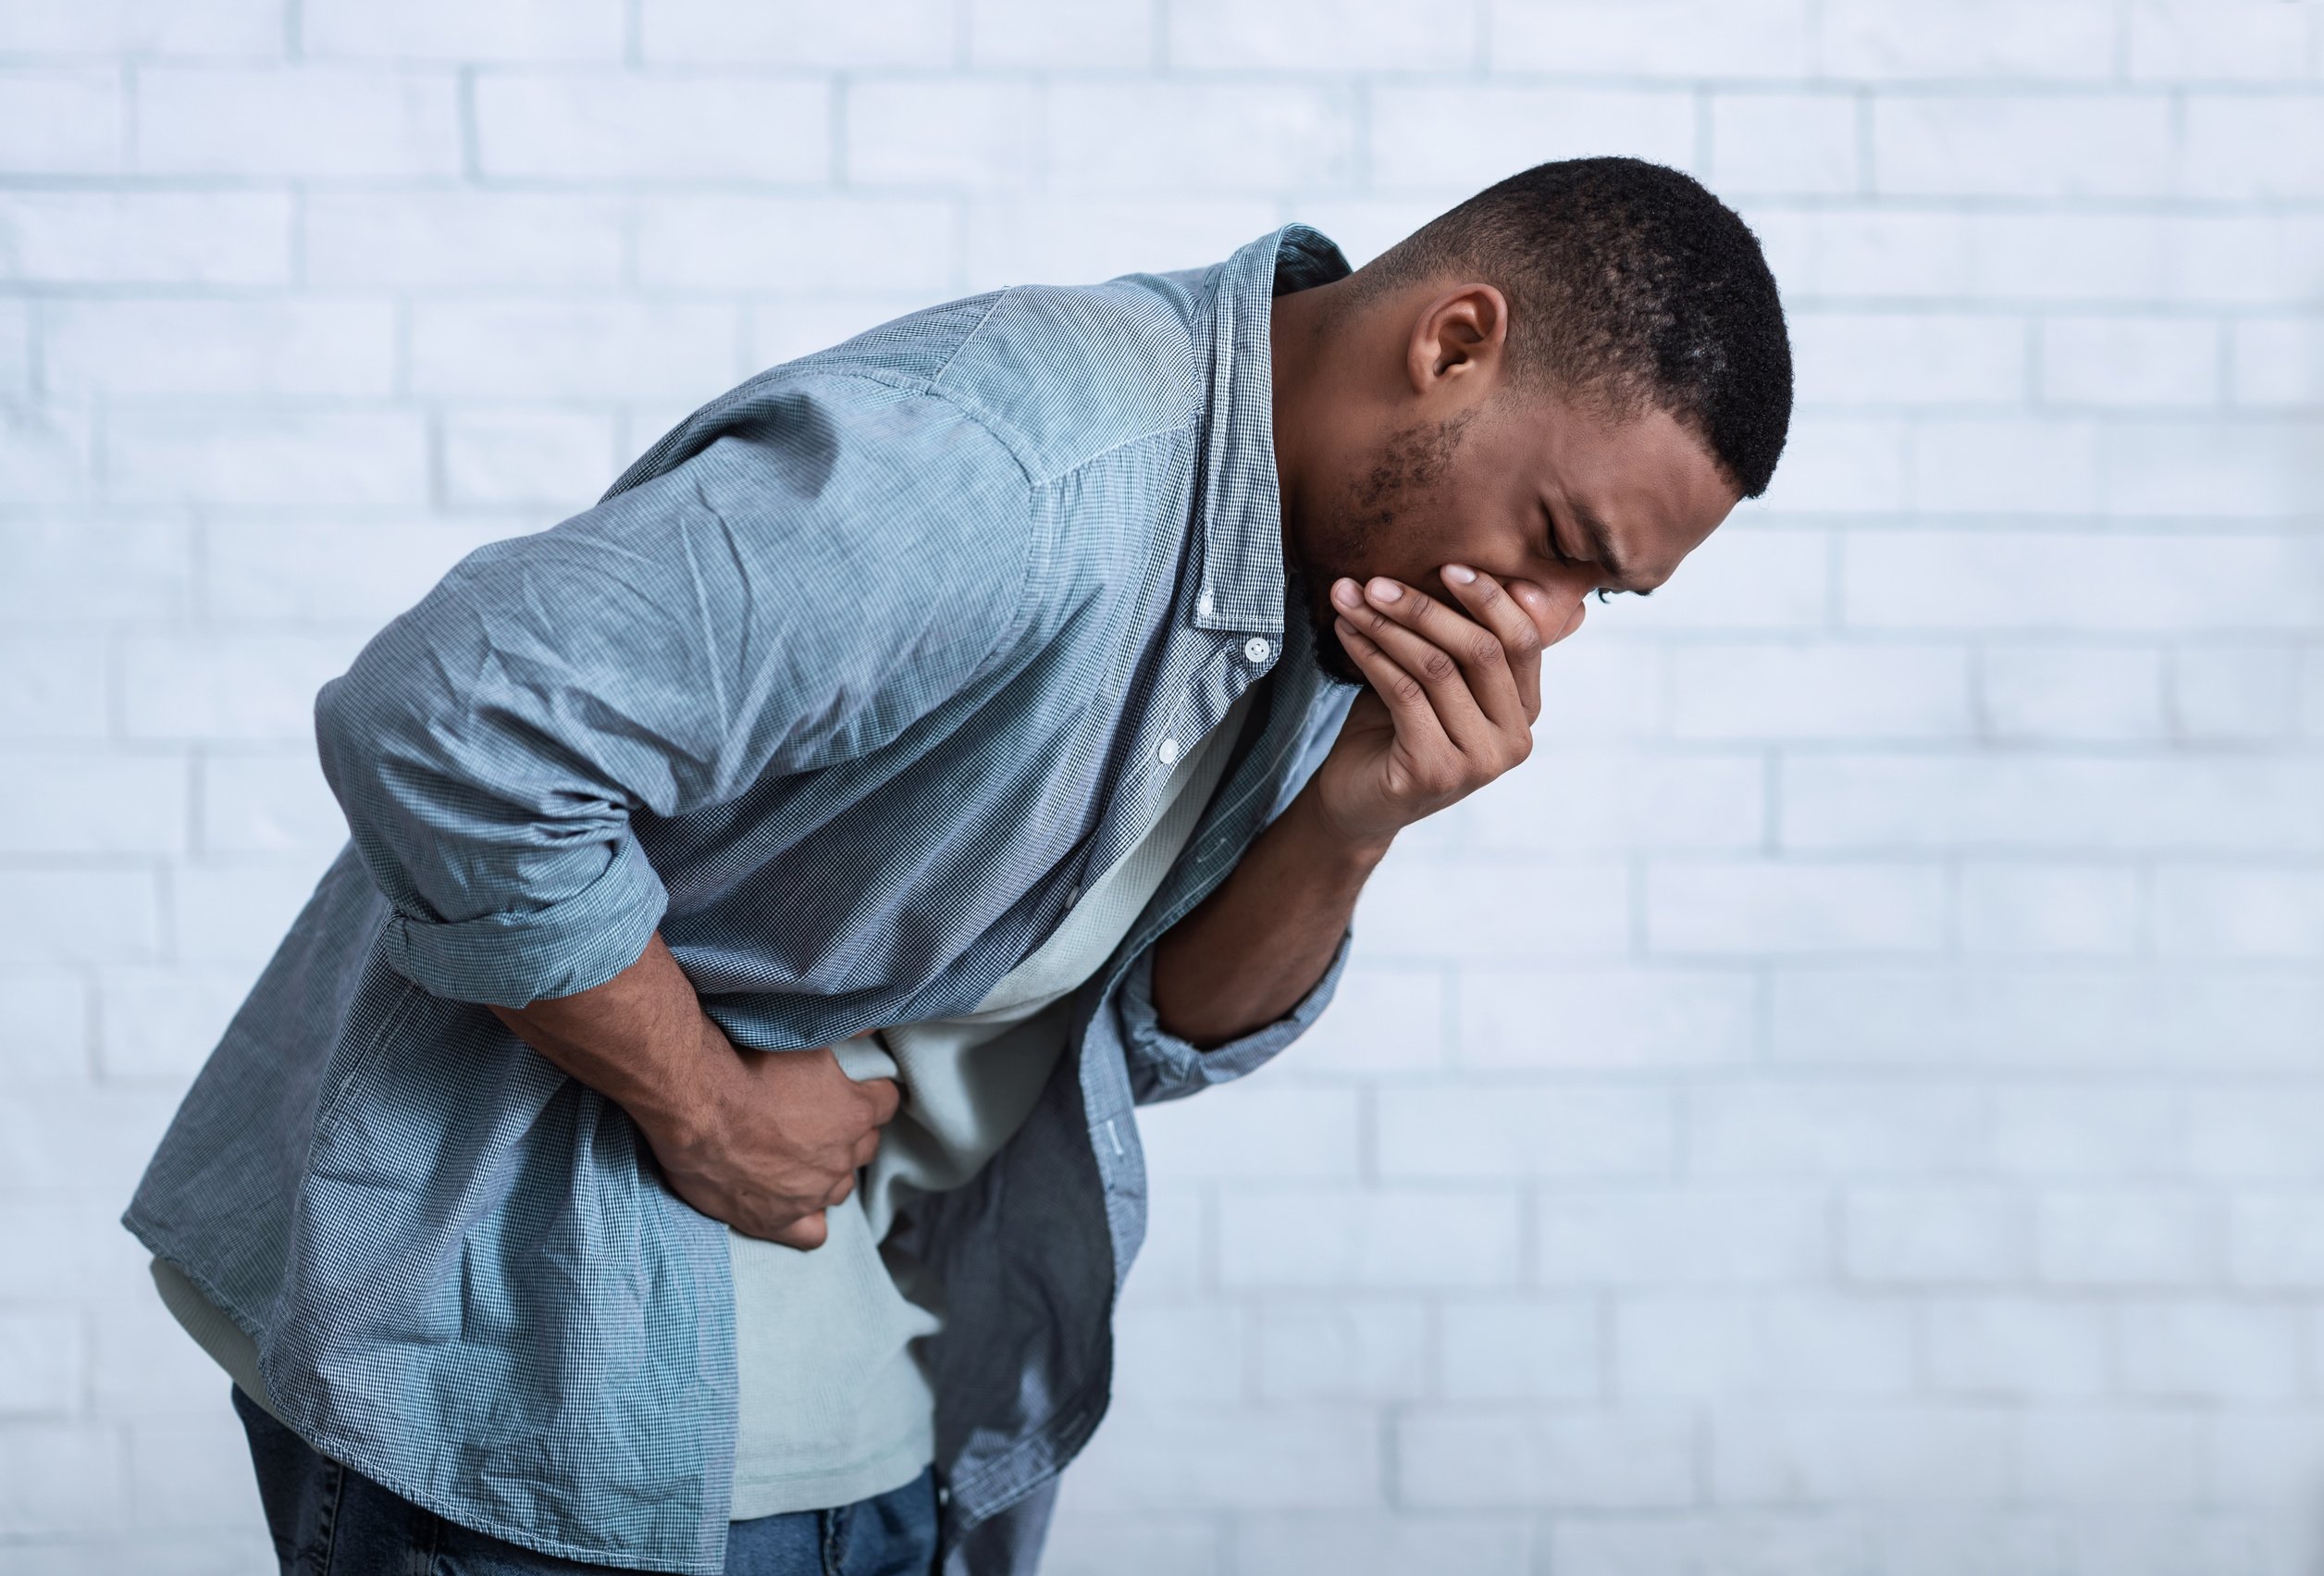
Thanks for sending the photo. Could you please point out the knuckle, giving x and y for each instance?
(1485, 649)
(1438, 665)
(1407, 687)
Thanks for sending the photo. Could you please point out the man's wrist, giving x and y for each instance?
(1323, 838)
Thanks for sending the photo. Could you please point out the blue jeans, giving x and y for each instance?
(329, 1520)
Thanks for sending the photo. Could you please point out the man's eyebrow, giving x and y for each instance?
(1594, 531)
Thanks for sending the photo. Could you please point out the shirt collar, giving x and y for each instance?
(1238, 501)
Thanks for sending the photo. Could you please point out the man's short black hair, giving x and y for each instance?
(1629, 286)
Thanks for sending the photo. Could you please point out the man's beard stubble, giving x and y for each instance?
(1412, 461)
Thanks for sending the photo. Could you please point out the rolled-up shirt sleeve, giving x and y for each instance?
(1163, 1067)
(799, 591)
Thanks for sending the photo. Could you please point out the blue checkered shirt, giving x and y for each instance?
(849, 686)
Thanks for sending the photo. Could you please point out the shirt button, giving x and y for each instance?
(1168, 752)
(1073, 897)
(1255, 649)
(1202, 604)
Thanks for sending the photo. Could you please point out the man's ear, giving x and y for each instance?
(1460, 335)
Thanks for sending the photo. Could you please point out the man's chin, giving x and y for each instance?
(1329, 656)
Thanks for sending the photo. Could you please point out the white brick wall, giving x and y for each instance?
(1849, 1104)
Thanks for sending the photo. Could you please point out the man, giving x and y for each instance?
(689, 1128)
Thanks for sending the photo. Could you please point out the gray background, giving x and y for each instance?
(1852, 1102)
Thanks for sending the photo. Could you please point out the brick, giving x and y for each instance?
(959, 135)
(1473, 1545)
(1705, 1542)
(1278, 1457)
(2014, 465)
(1595, 691)
(532, 350)
(1856, 359)
(144, 1364)
(796, 33)
(1315, 35)
(2276, 1240)
(60, 1477)
(2235, 694)
(1501, 912)
(1786, 143)
(843, 242)
(1996, 145)
(60, 122)
(2080, 258)
(1895, 255)
(1082, 240)
(2114, 1017)
(1798, 1127)
(1583, 801)
(2261, 1457)
(43, 1363)
(1859, 1454)
(363, 569)
(1129, 1543)
(57, 688)
(1298, 1132)
(1835, 463)
(1177, 1354)
(1931, 1236)
(45, 455)
(1755, 908)
(599, 127)
(16, 350)
(2194, 40)
(272, 803)
(1727, 689)
(1341, 1350)
(1060, 32)
(1178, 1258)
(2130, 362)
(1465, 1457)
(1787, 1346)
(1605, 1018)
(2015, 1349)
(1671, 1236)
(2278, 361)
(2065, 39)
(2225, 912)
(2055, 804)
(242, 686)
(1387, 1238)
(1225, 137)
(312, 121)
(84, 803)
(1455, 141)
(2263, 1132)
(76, 916)
(2047, 910)
(2170, 1536)
(70, 1251)
(1505, 1130)
(79, 1142)
(1522, 1349)
(539, 241)
(532, 30)
(193, 26)
(235, 913)
(161, 1024)
(2258, 258)
(2086, 691)
(2110, 1455)
(791, 326)
(2126, 1238)
(2255, 147)
(304, 457)
(2121, 1131)
(1759, 38)
(47, 1027)
(2249, 469)
(219, 347)
(1382, 1019)
(2213, 1352)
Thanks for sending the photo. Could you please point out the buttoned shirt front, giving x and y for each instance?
(851, 685)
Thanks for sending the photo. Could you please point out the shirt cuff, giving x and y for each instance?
(512, 960)
(1163, 1067)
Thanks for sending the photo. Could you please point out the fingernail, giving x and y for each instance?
(1459, 574)
(1345, 592)
(1387, 590)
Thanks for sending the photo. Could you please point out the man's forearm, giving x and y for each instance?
(1250, 950)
